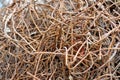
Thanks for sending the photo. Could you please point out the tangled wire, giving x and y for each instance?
(60, 40)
